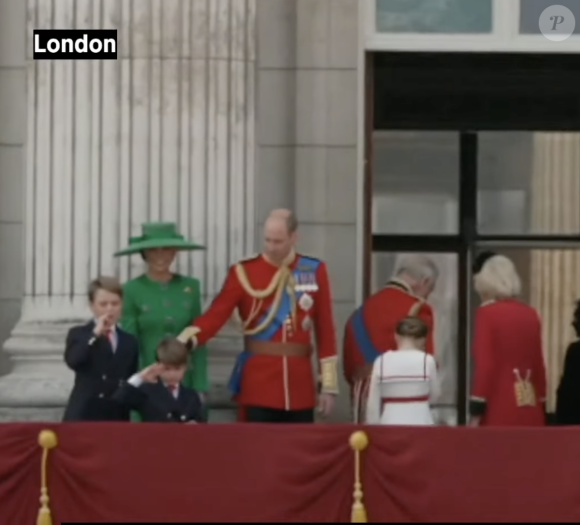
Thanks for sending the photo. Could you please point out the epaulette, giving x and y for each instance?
(309, 257)
(308, 263)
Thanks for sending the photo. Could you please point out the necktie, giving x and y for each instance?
(173, 390)
(111, 338)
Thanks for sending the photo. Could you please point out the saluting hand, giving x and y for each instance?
(103, 325)
(151, 373)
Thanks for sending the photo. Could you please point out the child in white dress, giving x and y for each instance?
(403, 383)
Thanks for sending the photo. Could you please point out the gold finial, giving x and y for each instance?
(47, 440)
(358, 441)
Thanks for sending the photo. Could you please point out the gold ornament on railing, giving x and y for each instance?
(47, 440)
(358, 442)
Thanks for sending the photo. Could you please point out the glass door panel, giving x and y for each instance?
(444, 301)
(415, 183)
(551, 284)
(528, 183)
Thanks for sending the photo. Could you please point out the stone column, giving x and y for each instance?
(164, 133)
(555, 281)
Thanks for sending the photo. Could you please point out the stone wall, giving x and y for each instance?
(307, 132)
(12, 138)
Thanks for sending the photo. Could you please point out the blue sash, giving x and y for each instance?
(305, 271)
(363, 341)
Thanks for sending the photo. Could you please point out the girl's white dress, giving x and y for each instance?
(403, 385)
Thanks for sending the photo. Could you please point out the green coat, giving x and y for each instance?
(153, 310)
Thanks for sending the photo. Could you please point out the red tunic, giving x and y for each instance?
(275, 381)
(381, 313)
(507, 346)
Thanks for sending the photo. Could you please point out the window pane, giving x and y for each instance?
(434, 16)
(529, 183)
(551, 284)
(531, 11)
(444, 303)
(415, 182)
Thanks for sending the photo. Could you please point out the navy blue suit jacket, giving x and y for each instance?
(98, 373)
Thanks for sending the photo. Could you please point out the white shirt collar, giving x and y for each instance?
(174, 392)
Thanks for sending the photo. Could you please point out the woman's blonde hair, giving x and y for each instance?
(498, 279)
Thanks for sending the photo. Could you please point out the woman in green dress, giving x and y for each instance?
(161, 303)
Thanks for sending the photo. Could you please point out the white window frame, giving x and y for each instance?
(504, 38)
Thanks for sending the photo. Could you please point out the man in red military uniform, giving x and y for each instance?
(281, 297)
(370, 330)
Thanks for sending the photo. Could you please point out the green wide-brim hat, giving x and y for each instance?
(158, 235)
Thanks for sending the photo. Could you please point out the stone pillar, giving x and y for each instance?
(164, 133)
(555, 274)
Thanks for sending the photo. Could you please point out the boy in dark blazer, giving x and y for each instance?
(157, 392)
(102, 356)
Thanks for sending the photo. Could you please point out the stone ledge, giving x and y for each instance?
(54, 415)
(30, 414)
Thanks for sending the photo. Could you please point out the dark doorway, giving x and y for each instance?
(466, 151)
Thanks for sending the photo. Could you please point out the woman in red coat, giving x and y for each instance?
(509, 386)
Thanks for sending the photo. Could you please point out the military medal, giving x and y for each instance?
(298, 286)
(305, 285)
(313, 283)
(306, 302)
(305, 281)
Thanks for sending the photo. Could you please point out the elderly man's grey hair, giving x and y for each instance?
(419, 267)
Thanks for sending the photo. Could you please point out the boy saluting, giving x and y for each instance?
(157, 392)
(101, 355)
